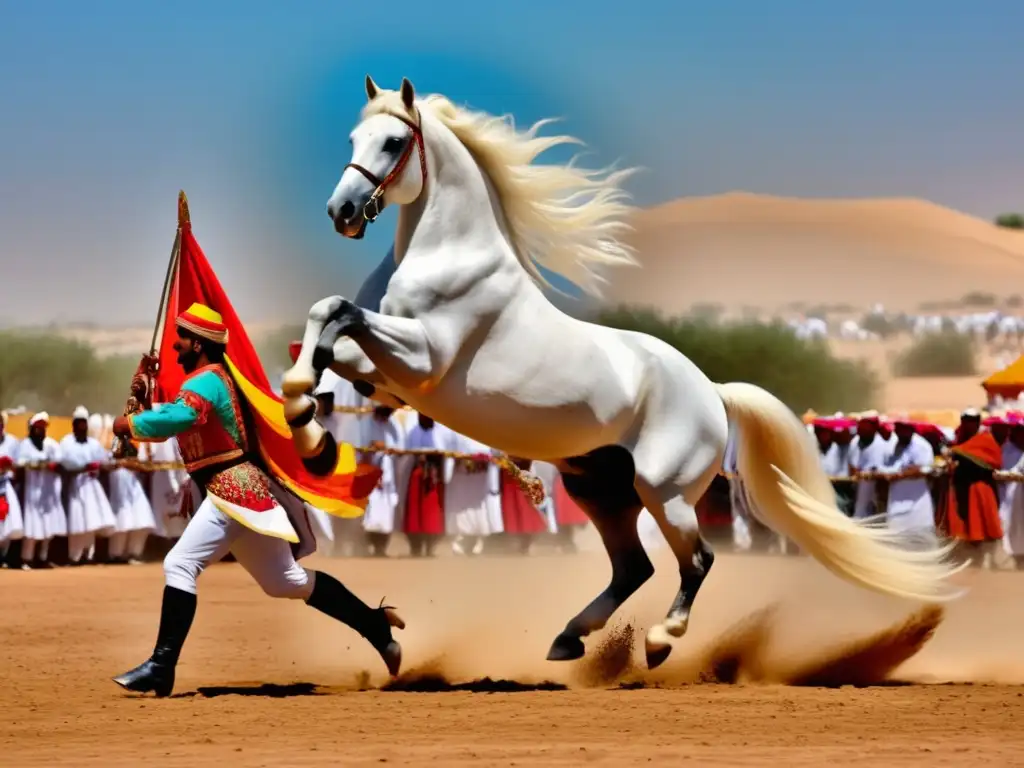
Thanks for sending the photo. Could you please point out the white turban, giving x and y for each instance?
(41, 417)
(81, 412)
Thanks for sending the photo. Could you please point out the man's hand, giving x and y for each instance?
(149, 365)
(6, 463)
(121, 428)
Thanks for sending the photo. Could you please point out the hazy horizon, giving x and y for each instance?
(111, 108)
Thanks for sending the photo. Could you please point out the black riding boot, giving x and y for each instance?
(330, 596)
(157, 673)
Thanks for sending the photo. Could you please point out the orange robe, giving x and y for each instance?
(972, 504)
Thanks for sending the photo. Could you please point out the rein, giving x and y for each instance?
(374, 205)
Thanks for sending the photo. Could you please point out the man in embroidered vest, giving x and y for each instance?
(243, 510)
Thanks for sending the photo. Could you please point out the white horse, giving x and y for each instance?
(466, 335)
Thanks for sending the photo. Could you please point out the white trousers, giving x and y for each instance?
(211, 534)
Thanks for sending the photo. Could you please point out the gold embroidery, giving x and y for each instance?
(243, 485)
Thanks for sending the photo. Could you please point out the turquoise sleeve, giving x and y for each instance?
(169, 420)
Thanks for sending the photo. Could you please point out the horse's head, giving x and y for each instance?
(380, 172)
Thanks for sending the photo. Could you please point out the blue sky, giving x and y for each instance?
(107, 108)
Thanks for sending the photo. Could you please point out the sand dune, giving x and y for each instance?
(742, 249)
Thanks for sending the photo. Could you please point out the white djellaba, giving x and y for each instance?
(88, 508)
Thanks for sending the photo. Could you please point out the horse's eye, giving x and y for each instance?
(394, 145)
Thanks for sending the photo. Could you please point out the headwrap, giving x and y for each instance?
(81, 412)
(983, 450)
(40, 418)
(204, 322)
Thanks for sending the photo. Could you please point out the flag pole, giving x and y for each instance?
(123, 448)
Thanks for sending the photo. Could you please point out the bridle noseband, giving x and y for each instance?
(375, 205)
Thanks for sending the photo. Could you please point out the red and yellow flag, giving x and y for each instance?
(342, 493)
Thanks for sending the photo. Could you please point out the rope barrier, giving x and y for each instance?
(936, 470)
(530, 485)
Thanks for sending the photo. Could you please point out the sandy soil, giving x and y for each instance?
(271, 683)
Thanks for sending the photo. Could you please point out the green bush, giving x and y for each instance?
(44, 370)
(802, 373)
(49, 371)
(942, 354)
(1010, 220)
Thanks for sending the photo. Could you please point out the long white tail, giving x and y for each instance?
(779, 466)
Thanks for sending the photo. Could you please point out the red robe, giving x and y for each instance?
(424, 505)
(567, 512)
(517, 513)
(972, 486)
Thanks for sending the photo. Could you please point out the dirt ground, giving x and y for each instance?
(782, 663)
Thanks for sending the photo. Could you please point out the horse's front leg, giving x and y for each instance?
(352, 364)
(315, 445)
(304, 375)
(398, 347)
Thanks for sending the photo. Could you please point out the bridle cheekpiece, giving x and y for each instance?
(375, 204)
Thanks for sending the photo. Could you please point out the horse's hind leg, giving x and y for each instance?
(604, 489)
(677, 519)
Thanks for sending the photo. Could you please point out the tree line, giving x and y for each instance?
(48, 371)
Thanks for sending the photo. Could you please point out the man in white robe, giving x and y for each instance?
(11, 525)
(749, 533)
(167, 487)
(910, 508)
(340, 536)
(88, 508)
(43, 509)
(868, 455)
(839, 466)
(382, 430)
(1010, 509)
(472, 495)
(133, 513)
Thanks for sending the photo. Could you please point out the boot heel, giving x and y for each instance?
(148, 677)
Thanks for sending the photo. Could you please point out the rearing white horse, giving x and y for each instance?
(466, 335)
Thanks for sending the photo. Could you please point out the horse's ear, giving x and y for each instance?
(371, 88)
(408, 94)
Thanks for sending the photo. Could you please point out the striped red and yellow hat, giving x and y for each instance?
(204, 322)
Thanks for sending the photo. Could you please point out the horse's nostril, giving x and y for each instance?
(347, 210)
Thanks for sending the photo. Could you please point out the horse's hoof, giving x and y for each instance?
(298, 381)
(657, 646)
(566, 648)
(656, 654)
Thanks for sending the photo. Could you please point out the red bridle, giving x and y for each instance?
(373, 206)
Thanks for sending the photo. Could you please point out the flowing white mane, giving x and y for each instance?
(566, 218)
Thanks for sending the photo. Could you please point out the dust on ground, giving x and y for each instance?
(782, 663)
